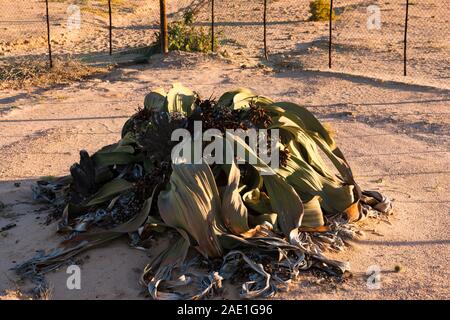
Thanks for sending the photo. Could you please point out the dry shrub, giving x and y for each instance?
(320, 10)
(24, 73)
(13, 295)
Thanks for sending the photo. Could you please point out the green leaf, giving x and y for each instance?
(304, 145)
(109, 190)
(284, 199)
(180, 99)
(302, 117)
(116, 154)
(285, 202)
(313, 216)
(257, 201)
(334, 196)
(306, 120)
(104, 159)
(234, 212)
(241, 98)
(306, 170)
(155, 100)
(192, 203)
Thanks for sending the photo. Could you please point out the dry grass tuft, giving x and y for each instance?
(13, 295)
(45, 293)
(24, 73)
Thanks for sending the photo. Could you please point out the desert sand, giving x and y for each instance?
(293, 41)
(395, 136)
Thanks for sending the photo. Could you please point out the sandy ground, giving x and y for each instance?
(292, 40)
(395, 136)
(23, 26)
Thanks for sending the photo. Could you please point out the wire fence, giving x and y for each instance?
(367, 36)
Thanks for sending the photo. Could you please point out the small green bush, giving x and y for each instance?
(320, 10)
(184, 36)
(189, 17)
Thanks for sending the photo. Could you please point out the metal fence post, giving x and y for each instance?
(110, 27)
(48, 35)
(405, 41)
(331, 34)
(265, 30)
(212, 26)
(163, 25)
